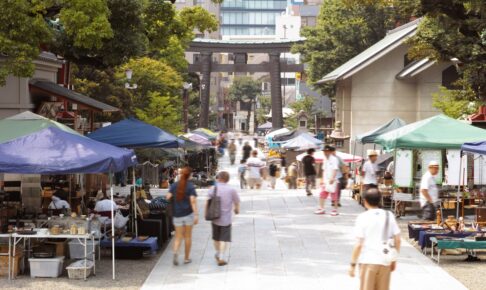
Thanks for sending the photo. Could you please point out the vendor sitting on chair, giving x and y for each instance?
(103, 207)
(58, 203)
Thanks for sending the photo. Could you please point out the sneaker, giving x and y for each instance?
(320, 211)
(334, 212)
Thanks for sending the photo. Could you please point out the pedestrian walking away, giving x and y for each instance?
(255, 166)
(242, 173)
(273, 171)
(232, 151)
(330, 181)
(377, 245)
(221, 227)
(429, 193)
(182, 195)
(309, 171)
(292, 176)
(343, 172)
(247, 151)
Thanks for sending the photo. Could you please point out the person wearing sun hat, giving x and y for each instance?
(369, 171)
(429, 193)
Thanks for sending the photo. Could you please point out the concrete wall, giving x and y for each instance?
(15, 97)
(373, 96)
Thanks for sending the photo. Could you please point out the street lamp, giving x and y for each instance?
(128, 74)
(185, 111)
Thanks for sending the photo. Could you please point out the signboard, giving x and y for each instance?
(479, 169)
(404, 168)
(453, 161)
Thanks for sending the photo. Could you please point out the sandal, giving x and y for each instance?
(175, 260)
(222, 263)
(187, 261)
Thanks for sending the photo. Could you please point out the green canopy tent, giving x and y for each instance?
(370, 136)
(27, 123)
(438, 132)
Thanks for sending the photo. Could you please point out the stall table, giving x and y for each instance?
(415, 227)
(83, 240)
(425, 237)
(135, 243)
(442, 244)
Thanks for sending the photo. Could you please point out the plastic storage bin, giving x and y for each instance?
(46, 267)
(76, 249)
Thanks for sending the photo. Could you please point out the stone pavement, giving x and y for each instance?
(278, 243)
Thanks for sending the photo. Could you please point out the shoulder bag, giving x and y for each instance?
(390, 253)
(213, 208)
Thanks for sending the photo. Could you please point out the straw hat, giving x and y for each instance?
(372, 153)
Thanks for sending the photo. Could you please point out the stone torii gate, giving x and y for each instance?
(240, 49)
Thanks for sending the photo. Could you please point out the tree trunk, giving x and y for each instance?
(255, 123)
(248, 119)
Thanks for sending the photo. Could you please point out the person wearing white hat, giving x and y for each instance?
(429, 193)
(369, 171)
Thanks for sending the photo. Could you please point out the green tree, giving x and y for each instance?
(455, 29)
(28, 26)
(163, 112)
(456, 103)
(245, 90)
(264, 106)
(346, 28)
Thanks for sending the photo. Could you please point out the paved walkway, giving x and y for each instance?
(278, 243)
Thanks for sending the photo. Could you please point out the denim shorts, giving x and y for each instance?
(187, 220)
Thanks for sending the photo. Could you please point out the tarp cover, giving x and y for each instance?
(438, 132)
(475, 147)
(206, 133)
(266, 126)
(133, 133)
(302, 142)
(53, 151)
(289, 135)
(370, 136)
(27, 123)
(200, 139)
(270, 135)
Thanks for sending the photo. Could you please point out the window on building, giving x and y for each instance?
(449, 77)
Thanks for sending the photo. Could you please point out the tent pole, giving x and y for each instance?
(112, 227)
(459, 186)
(134, 198)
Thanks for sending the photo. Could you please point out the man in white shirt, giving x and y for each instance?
(369, 171)
(254, 165)
(429, 193)
(330, 181)
(374, 227)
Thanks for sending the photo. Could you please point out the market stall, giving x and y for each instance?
(54, 151)
(269, 137)
(438, 138)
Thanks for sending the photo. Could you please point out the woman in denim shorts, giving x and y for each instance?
(182, 195)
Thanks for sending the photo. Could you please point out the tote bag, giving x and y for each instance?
(213, 209)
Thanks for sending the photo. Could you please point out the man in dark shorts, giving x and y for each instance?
(309, 171)
(230, 201)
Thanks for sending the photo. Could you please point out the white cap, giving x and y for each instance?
(372, 152)
(433, 164)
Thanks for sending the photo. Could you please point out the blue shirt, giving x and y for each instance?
(183, 207)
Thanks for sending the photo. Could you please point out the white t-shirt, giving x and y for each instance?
(59, 204)
(428, 182)
(370, 170)
(254, 165)
(369, 227)
(329, 165)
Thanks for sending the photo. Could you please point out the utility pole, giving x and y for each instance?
(185, 109)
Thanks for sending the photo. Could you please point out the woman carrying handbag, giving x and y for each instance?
(223, 201)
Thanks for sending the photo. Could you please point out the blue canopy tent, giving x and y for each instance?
(54, 151)
(133, 133)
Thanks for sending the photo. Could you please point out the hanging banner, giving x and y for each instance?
(404, 168)
(453, 171)
(432, 155)
(479, 169)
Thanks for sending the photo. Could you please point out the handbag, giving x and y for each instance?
(213, 208)
(390, 253)
(120, 220)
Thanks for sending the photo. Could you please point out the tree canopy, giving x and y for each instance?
(344, 29)
(245, 89)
